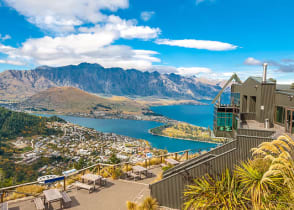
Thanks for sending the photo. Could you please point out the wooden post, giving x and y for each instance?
(176, 156)
(2, 196)
(187, 155)
(161, 159)
(127, 166)
(64, 185)
(146, 163)
(98, 169)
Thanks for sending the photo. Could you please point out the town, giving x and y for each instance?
(82, 145)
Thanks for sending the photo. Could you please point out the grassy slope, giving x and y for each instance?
(70, 99)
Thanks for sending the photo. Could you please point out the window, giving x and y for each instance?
(224, 121)
(280, 114)
(235, 99)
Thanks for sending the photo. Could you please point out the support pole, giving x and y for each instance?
(64, 185)
(2, 196)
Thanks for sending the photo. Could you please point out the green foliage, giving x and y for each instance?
(14, 124)
(149, 203)
(165, 168)
(80, 164)
(56, 119)
(264, 182)
(13, 174)
(113, 159)
(220, 193)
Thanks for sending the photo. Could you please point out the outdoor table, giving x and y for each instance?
(52, 195)
(93, 178)
(139, 169)
(172, 161)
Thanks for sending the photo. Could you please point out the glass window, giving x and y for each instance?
(224, 121)
(280, 114)
(235, 99)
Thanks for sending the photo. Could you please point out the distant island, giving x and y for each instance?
(185, 131)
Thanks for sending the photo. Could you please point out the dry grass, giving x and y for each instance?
(33, 190)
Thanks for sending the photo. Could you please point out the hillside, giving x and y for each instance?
(14, 124)
(93, 78)
(74, 100)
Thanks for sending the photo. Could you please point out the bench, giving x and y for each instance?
(80, 185)
(39, 204)
(103, 181)
(66, 200)
(4, 206)
(133, 175)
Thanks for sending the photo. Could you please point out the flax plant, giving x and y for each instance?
(219, 193)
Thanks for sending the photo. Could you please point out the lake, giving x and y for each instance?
(201, 115)
(194, 114)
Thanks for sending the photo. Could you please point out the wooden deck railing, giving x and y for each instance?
(181, 155)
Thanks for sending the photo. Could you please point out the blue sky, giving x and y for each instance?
(206, 38)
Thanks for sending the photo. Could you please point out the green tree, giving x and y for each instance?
(113, 159)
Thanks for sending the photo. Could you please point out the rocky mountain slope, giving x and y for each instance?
(94, 78)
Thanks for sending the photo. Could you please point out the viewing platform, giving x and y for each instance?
(89, 189)
(113, 196)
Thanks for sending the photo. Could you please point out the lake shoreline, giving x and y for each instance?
(138, 128)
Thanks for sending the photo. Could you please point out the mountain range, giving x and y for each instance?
(93, 78)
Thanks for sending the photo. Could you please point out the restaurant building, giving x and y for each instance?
(259, 110)
(257, 103)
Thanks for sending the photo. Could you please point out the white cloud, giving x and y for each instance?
(183, 71)
(5, 37)
(126, 29)
(147, 15)
(84, 47)
(191, 71)
(198, 44)
(252, 61)
(64, 15)
(12, 62)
